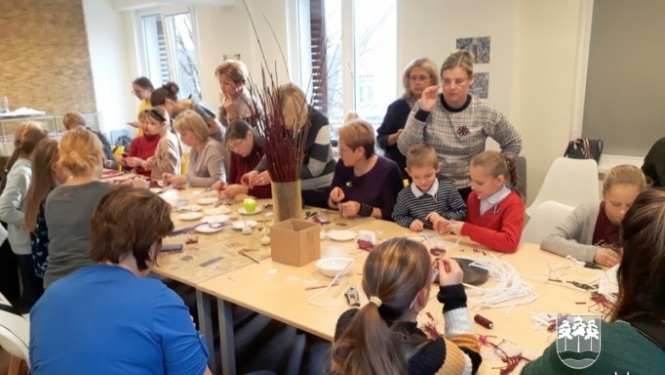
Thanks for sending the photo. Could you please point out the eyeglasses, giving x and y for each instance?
(234, 147)
(456, 82)
(419, 78)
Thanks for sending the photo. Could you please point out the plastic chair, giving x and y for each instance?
(15, 337)
(545, 218)
(570, 182)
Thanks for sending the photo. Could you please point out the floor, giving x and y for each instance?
(4, 364)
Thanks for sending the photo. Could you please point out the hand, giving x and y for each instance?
(176, 181)
(450, 272)
(456, 226)
(219, 186)
(428, 98)
(231, 110)
(417, 226)
(261, 179)
(392, 139)
(232, 190)
(336, 195)
(134, 162)
(138, 183)
(133, 124)
(433, 217)
(442, 226)
(120, 160)
(248, 177)
(107, 163)
(350, 208)
(606, 257)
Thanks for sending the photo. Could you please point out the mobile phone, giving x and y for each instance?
(171, 248)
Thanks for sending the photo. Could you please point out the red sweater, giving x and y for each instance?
(240, 166)
(143, 147)
(500, 228)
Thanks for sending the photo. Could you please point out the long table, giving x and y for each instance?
(279, 291)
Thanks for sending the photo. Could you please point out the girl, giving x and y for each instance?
(382, 337)
(47, 175)
(495, 214)
(591, 232)
(141, 148)
(167, 154)
(246, 146)
(74, 120)
(12, 205)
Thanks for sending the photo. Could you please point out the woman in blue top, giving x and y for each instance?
(109, 318)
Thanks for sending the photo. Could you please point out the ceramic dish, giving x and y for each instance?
(217, 211)
(215, 219)
(240, 224)
(207, 200)
(190, 216)
(331, 266)
(473, 275)
(341, 235)
(156, 190)
(209, 228)
(242, 211)
(190, 208)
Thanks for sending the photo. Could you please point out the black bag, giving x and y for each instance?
(584, 148)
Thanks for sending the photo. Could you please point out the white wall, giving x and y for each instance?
(108, 56)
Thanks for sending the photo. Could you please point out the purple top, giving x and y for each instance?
(378, 187)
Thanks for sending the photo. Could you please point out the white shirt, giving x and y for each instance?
(432, 190)
(493, 200)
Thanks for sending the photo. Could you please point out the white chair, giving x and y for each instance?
(570, 182)
(545, 218)
(14, 336)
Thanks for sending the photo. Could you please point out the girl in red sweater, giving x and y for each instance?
(495, 214)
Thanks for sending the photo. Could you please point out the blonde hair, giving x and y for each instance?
(497, 164)
(461, 58)
(234, 69)
(294, 105)
(72, 119)
(624, 175)
(423, 63)
(358, 133)
(80, 152)
(193, 122)
(422, 155)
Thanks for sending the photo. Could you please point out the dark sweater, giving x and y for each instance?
(240, 166)
(394, 120)
(378, 187)
(654, 163)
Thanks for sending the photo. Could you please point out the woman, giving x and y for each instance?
(47, 175)
(246, 146)
(12, 205)
(365, 184)
(318, 165)
(142, 89)
(206, 159)
(70, 206)
(418, 75)
(233, 78)
(73, 120)
(166, 158)
(141, 148)
(146, 327)
(382, 337)
(591, 232)
(633, 341)
(457, 124)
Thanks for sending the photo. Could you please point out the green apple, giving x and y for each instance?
(249, 204)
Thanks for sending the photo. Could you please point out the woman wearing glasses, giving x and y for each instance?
(418, 75)
(246, 147)
(457, 124)
(167, 155)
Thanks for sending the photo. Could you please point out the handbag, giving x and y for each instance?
(584, 148)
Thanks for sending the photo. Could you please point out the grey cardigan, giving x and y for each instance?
(574, 236)
(12, 205)
(206, 168)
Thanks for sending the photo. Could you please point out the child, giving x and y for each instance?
(73, 120)
(167, 154)
(495, 214)
(141, 148)
(591, 232)
(382, 337)
(427, 200)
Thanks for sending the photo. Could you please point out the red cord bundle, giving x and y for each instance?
(511, 361)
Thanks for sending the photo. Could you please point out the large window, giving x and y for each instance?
(169, 50)
(354, 55)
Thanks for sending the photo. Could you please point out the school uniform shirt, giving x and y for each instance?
(442, 198)
(495, 222)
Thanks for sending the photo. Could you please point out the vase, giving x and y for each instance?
(286, 201)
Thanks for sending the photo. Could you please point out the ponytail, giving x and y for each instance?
(498, 164)
(511, 163)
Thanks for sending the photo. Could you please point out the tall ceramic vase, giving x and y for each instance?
(286, 200)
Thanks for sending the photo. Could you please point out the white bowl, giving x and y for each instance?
(333, 265)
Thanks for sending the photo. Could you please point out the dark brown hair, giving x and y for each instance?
(239, 128)
(144, 83)
(168, 91)
(127, 221)
(395, 272)
(640, 275)
(498, 164)
(43, 180)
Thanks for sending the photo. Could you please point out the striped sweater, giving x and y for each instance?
(459, 134)
(445, 200)
(457, 353)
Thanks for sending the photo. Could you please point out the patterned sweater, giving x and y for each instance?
(455, 354)
(446, 201)
(500, 227)
(459, 134)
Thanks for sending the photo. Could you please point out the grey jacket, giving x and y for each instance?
(12, 202)
(574, 236)
(206, 168)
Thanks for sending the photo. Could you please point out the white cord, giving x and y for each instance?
(327, 288)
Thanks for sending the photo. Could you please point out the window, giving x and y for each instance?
(169, 50)
(353, 55)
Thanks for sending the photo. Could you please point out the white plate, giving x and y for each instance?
(240, 224)
(189, 208)
(215, 219)
(242, 211)
(217, 211)
(341, 235)
(156, 190)
(208, 200)
(332, 265)
(190, 216)
(206, 228)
